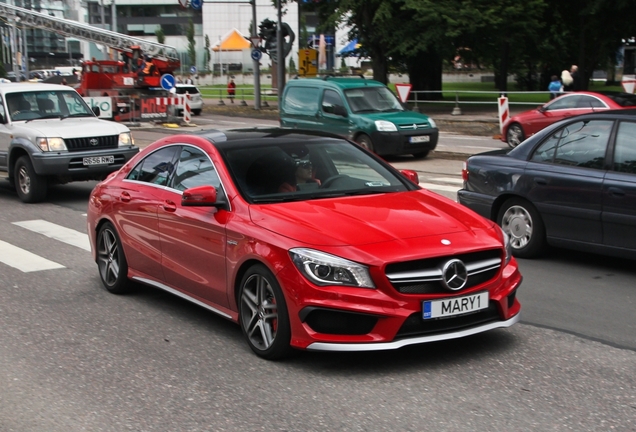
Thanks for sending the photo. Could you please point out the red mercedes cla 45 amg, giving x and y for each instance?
(306, 240)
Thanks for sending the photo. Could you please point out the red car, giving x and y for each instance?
(305, 239)
(521, 126)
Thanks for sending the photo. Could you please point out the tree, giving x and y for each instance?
(161, 36)
(206, 53)
(192, 53)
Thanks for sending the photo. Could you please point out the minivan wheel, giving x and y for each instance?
(31, 188)
(420, 155)
(365, 141)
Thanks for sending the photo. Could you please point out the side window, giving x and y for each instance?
(564, 102)
(590, 102)
(331, 99)
(157, 167)
(580, 144)
(625, 148)
(2, 113)
(194, 169)
(301, 100)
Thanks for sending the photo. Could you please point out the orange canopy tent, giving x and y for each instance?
(232, 41)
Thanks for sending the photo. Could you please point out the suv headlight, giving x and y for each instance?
(385, 126)
(325, 269)
(51, 144)
(126, 139)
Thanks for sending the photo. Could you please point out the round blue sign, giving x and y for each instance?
(167, 81)
(196, 4)
(256, 54)
(193, 69)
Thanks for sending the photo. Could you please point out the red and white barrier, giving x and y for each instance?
(504, 112)
(187, 110)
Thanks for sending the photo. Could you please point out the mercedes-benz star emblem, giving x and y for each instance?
(454, 275)
(94, 141)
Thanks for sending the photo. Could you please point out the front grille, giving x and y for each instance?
(89, 143)
(415, 325)
(414, 126)
(425, 276)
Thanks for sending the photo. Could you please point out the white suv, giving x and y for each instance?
(196, 101)
(49, 135)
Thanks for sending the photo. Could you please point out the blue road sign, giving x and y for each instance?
(196, 4)
(256, 54)
(167, 81)
(193, 69)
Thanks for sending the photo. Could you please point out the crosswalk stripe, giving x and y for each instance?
(57, 232)
(24, 260)
(445, 188)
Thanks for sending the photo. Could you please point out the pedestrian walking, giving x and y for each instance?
(231, 90)
(555, 87)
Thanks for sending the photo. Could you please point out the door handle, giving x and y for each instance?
(124, 197)
(616, 192)
(169, 206)
(541, 181)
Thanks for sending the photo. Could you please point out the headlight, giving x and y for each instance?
(325, 269)
(51, 144)
(432, 122)
(385, 126)
(126, 139)
(507, 246)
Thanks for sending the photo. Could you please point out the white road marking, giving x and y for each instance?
(57, 232)
(451, 180)
(445, 188)
(24, 260)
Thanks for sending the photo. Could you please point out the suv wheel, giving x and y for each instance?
(31, 187)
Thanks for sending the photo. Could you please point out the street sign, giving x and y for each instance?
(193, 69)
(628, 83)
(307, 62)
(183, 3)
(403, 91)
(256, 40)
(196, 4)
(167, 81)
(256, 55)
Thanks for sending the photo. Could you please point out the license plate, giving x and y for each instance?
(454, 306)
(98, 160)
(419, 139)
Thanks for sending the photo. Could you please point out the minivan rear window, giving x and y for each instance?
(300, 100)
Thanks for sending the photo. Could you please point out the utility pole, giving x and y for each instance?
(256, 64)
(280, 55)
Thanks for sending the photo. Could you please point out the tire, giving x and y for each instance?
(365, 141)
(514, 135)
(263, 314)
(111, 260)
(196, 112)
(522, 222)
(31, 188)
(420, 155)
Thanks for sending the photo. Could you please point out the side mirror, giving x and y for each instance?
(541, 109)
(340, 110)
(97, 111)
(200, 196)
(411, 176)
(2, 121)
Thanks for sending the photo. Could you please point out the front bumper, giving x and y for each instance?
(398, 143)
(70, 164)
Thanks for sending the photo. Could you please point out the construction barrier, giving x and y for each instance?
(504, 112)
(187, 110)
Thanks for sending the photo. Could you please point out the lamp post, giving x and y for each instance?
(280, 54)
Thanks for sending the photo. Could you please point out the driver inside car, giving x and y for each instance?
(303, 177)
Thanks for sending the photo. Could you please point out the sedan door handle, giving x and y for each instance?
(616, 192)
(169, 206)
(124, 197)
(541, 181)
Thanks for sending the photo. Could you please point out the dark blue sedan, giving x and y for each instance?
(571, 185)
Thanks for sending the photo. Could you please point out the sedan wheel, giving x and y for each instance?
(515, 135)
(521, 221)
(111, 261)
(263, 314)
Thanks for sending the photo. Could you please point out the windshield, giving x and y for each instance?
(308, 170)
(372, 99)
(46, 104)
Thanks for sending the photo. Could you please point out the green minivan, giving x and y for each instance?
(365, 111)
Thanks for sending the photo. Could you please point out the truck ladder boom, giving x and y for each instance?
(70, 28)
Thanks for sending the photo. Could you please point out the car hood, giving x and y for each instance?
(357, 221)
(399, 117)
(80, 127)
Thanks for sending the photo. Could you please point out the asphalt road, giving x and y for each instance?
(76, 358)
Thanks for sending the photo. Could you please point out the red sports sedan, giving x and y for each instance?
(521, 126)
(304, 239)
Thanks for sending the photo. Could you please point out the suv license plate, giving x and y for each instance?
(454, 306)
(98, 160)
(419, 139)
